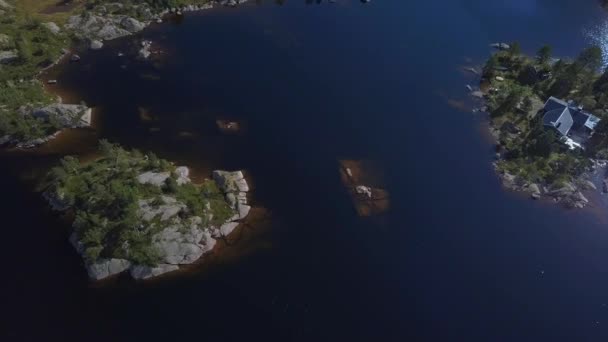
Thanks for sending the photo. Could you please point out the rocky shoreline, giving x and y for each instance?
(181, 241)
(66, 115)
(101, 25)
(570, 194)
(96, 27)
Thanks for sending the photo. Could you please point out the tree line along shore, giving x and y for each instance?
(550, 119)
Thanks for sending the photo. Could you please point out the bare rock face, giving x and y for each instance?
(8, 56)
(235, 188)
(4, 40)
(534, 190)
(51, 26)
(96, 27)
(225, 229)
(96, 44)
(230, 181)
(168, 209)
(5, 5)
(181, 241)
(154, 178)
(180, 245)
(145, 272)
(65, 115)
(565, 190)
(107, 267)
(68, 115)
(588, 185)
(183, 175)
(243, 210)
(183, 245)
(132, 25)
(159, 178)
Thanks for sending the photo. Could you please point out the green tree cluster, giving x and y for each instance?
(105, 193)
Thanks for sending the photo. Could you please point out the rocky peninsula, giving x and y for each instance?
(549, 121)
(138, 213)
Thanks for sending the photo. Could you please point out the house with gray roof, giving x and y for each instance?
(569, 121)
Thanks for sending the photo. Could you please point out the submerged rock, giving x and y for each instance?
(472, 70)
(145, 52)
(364, 190)
(500, 46)
(477, 93)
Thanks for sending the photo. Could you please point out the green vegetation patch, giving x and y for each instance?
(105, 195)
(34, 47)
(517, 86)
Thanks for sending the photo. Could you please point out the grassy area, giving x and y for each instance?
(36, 9)
(105, 193)
(35, 47)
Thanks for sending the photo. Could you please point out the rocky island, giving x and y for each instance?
(549, 119)
(138, 213)
(132, 211)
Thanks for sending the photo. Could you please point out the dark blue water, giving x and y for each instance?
(456, 258)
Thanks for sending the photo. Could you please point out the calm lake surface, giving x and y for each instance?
(456, 258)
